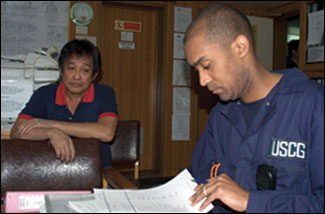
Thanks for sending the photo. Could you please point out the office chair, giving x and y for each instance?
(125, 156)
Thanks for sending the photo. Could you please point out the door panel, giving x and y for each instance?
(133, 73)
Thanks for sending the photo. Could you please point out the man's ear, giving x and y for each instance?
(240, 46)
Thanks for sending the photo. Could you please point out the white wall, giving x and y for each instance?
(264, 40)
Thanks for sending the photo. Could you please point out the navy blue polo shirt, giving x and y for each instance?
(49, 102)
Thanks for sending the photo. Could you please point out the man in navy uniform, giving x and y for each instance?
(267, 132)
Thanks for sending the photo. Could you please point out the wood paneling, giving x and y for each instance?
(280, 44)
(133, 72)
(93, 29)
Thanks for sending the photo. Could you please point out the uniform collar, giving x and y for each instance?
(60, 98)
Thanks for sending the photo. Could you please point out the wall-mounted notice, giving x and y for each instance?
(315, 27)
(126, 45)
(127, 36)
(92, 39)
(182, 18)
(14, 96)
(181, 127)
(178, 46)
(181, 114)
(181, 100)
(181, 73)
(127, 25)
(29, 25)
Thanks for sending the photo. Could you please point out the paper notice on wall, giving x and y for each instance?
(315, 27)
(181, 127)
(181, 100)
(92, 39)
(181, 73)
(178, 46)
(126, 45)
(127, 36)
(181, 114)
(315, 54)
(29, 25)
(182, 18)
(14, 96)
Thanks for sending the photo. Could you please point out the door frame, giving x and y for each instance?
(280, 39)
(160, 67)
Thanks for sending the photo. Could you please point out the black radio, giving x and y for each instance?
(266, 177)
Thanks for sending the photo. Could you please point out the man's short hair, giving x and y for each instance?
(221, 24)
(292, 45)
(81, 48)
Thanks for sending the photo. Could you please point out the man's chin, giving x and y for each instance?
(224, 97)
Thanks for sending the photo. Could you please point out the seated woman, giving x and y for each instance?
(75, 106)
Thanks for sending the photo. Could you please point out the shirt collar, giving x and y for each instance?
(87, 98)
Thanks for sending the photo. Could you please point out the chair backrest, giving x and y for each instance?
(125, 146)
(32, 166)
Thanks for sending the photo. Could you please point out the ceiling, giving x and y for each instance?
(257, 4)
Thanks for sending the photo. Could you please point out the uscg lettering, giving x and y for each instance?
(288, 149)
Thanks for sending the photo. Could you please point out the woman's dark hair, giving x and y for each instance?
(81, 48)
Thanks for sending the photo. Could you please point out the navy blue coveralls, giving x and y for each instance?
(287, 132)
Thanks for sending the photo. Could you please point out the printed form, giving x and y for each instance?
(170, 197)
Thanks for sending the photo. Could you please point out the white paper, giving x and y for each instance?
(181, 73)
(127, 36)
(89, 206)
(81, 30)
(92, 39)
(170, 197)
(178, 46)
(29, 25)
(61, 203)
(181, 127)
(126, 45)
(182, 18)
(113, 201)
(14, 96)
(315, 27)
(315, 54)
(27, 202)
(181, 100)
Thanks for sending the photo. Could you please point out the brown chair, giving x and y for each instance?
(125, 156)
(32, 166)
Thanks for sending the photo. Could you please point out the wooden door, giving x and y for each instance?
(133, 72)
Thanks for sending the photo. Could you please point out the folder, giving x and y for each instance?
(30, 201)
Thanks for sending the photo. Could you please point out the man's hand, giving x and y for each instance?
(223, 188)
(26, 126)
(62, 144)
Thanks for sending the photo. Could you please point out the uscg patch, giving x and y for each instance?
(287, 149)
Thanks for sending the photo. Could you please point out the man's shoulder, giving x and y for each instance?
(103, 88)
(294, 80)
(47, 89)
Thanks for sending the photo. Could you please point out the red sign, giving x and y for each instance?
(127, 25)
